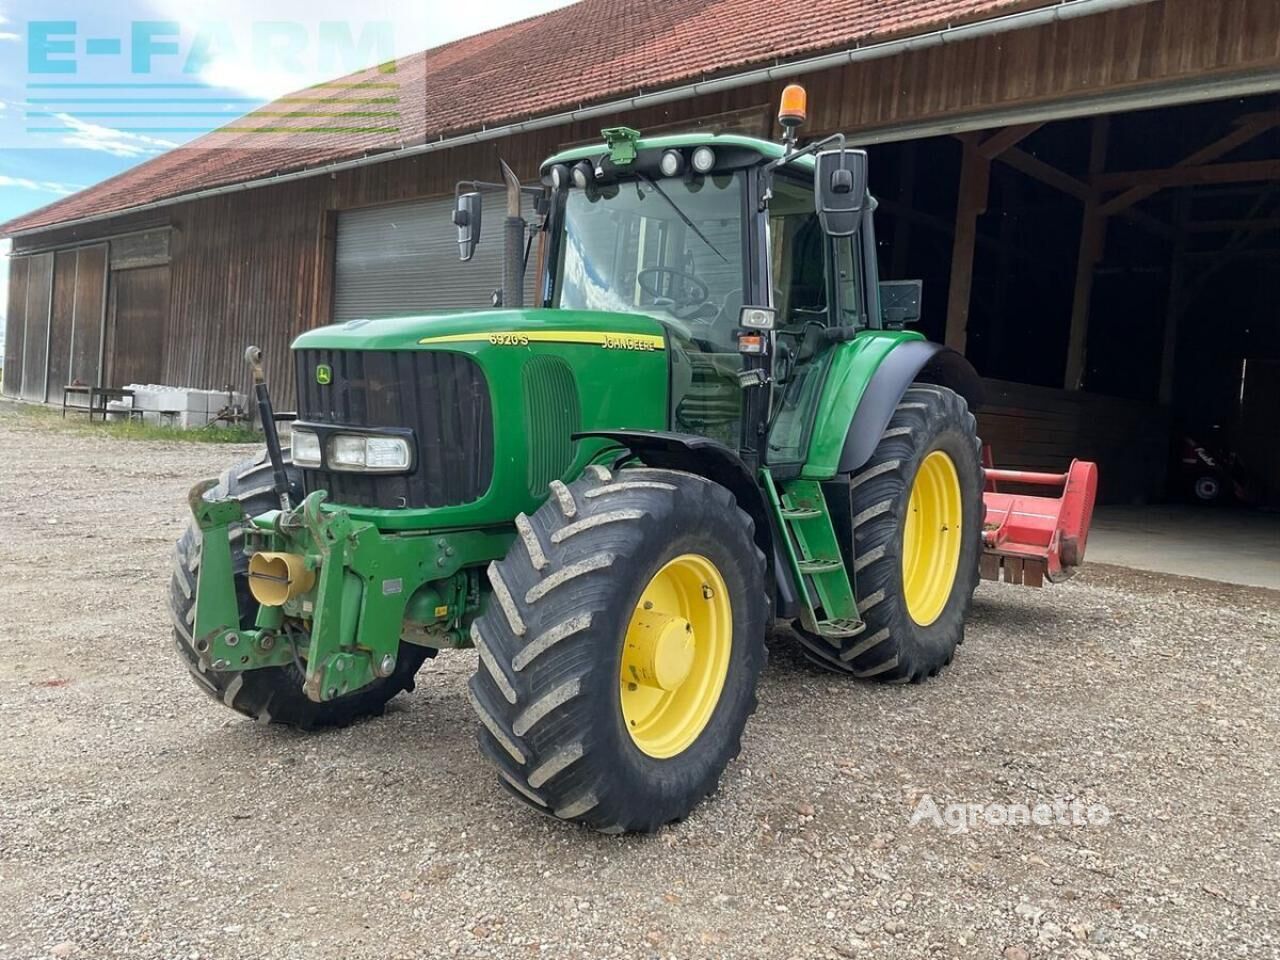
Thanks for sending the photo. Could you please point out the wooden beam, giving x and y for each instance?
(1239, 245)
(1256, 253)
(1249, 129)
(1266, 116)
(944, 227)
(998, 143)
(1093, 232)
(1222, 226)
(975, 180)
(1245, 172)
(1037, 169)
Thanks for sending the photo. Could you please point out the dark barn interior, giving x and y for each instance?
(1172, 293)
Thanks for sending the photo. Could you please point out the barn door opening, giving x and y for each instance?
(138, 324)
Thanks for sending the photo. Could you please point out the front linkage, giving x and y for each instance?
(334, 595)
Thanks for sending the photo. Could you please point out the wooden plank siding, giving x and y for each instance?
(138, 326)
(17, 320)
(35, 348)
(90, 314)
(257, 266)
(61, 321)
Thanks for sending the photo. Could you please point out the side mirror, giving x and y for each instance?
(467, 217)
(900, 301)
(840, 188)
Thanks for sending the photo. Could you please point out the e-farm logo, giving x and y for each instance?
(59, 47)
(160, 82)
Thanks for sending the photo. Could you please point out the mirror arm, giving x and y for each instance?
(470, 186)
(767, 171)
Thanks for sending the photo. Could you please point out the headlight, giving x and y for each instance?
(306, 449)
(372, 454)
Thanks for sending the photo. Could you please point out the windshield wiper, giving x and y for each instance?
(681, 214)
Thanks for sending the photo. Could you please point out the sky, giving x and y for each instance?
(81, 81)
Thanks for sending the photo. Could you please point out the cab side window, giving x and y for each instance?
(799, 254)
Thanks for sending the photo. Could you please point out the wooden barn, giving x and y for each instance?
(1090, 189)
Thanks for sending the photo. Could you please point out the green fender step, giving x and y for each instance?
(814, 554)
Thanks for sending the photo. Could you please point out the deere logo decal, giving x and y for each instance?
(324, 375)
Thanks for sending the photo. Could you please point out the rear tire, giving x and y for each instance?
(551, 689)
(912, 626)
(269, 694)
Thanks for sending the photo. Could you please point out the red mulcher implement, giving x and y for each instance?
(1029, 539)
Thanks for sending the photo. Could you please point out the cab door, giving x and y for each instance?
(817, 287)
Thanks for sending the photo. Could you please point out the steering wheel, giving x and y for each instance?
(696, 293)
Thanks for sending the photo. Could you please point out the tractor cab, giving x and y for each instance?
(752, 259)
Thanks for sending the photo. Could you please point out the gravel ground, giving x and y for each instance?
(140, 819)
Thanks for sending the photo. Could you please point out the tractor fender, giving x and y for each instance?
(719, 464)
(915, 361)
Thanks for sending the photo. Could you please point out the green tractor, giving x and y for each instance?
(713, 419)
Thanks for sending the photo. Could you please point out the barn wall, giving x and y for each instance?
(256, 266)
(1040, 428)
(1155, 43)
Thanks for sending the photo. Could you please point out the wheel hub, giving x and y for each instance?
(660, 649)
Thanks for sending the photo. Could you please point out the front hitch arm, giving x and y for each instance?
(218, 640)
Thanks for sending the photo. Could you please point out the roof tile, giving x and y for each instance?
(590, 52)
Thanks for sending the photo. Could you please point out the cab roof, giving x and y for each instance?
(767, 149)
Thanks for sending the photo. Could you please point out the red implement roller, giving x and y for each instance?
(1030, 539)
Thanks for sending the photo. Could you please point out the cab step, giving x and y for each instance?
(840, 629)
(810, 567)
(790, 515)
(829, 607)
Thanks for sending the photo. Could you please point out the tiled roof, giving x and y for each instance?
(594, 51)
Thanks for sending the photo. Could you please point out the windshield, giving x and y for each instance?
(669, 248)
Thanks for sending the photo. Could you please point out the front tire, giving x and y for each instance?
(916, 513)
(269, 694)
(620, 649)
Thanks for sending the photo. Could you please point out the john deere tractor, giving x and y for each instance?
(713, 418)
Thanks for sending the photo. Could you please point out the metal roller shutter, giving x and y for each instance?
(402, 259)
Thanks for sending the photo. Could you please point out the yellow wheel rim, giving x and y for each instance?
(675, 656)
(931, 538)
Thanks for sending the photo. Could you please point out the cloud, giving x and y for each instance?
(91, 136)
(41, 186)
(236, 60)
(11, 37)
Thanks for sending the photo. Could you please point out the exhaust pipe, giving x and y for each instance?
(276, 578)
(513, 234)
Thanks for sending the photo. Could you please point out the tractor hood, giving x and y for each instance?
(490, 400)
(504, 328)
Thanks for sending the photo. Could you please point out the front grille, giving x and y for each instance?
(442, 397)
